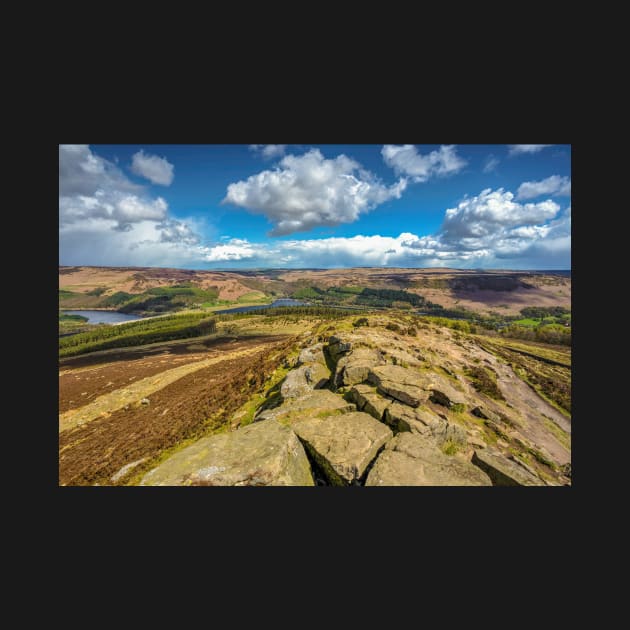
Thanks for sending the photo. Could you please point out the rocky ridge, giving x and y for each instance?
(368, 406)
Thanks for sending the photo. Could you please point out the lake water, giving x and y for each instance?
(275, 304)
(105, 317)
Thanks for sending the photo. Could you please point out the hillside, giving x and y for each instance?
(154, 290)
(324, 398)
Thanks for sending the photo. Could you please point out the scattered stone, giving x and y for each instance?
(397, 356)
(261, 454)
(144, 401)
(502, 471)
(485, 414)
(343, 446)
(412, 460)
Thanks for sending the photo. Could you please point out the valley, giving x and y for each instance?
(377, 377)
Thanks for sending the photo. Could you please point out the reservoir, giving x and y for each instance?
(105, 317)
(275, 304)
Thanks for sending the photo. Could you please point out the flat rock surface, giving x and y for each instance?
(343, 446)
(412, 460)
(400, 383)
(503, 471)
(319, 402)
(261, 454)
(304, 379)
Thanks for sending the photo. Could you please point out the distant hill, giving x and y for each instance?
(151, 289)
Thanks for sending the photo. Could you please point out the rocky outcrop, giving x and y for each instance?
(262, 454)
(304, 379)
(397, 356)
(442, 392)
(343, 446)
(318, 403)
(502, 471)
(338, 347)
(419, 420)
(368, 400)
(387, 415)
(312, 354)
(400, 383)
(354, 367)
(412, 460)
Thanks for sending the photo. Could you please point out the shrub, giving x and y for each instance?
(362, 321)
(484, 380)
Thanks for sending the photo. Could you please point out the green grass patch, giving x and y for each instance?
(527, 322)
(64, 294)
(449, 447)
(67, 317)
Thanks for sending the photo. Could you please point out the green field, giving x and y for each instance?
(527, 322)
(178, 326)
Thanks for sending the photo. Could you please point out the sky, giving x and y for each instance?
(325, 206)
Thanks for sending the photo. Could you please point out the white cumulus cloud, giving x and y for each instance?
(406, 160)
(308, 191)
(491, 211)
(232, 250)
(105, 219)
(518, 149)
(156, 169)
(92, 187)
(269, 151)
(554, 185)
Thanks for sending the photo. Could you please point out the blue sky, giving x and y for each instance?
(244, 206)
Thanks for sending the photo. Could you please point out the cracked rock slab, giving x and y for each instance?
(368, 400)
(400, 383)
(412, 460)
(343, 446)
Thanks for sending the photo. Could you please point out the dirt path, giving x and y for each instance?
(530, 405)
(133, 393)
